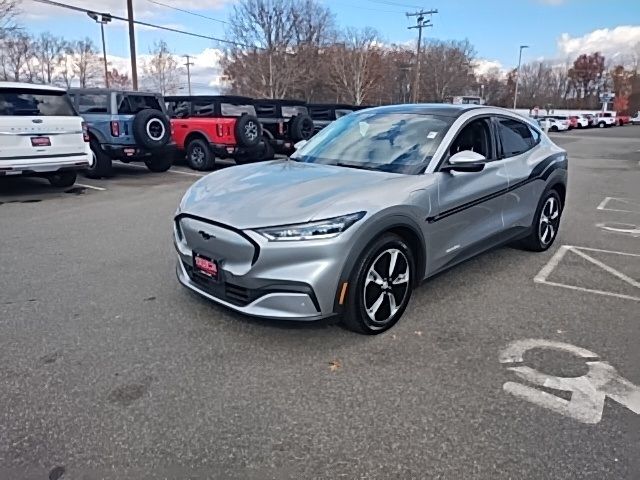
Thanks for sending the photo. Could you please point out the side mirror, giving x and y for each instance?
(300, 144)
(465, 161)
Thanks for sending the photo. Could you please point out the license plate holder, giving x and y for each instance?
(205, 267)
(40, 142)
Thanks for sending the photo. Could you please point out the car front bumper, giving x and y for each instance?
(296, 280)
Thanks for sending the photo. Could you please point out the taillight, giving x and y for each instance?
(219, 130)
(115, 129)
(281, 128)
(85, 132)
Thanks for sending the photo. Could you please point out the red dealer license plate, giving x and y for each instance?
(40, 141)
(205, 266)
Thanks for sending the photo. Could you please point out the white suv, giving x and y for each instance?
(41, 134)
(605, 119)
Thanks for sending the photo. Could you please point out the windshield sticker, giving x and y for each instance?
(432, 135)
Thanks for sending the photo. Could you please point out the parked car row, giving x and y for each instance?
(559, 123)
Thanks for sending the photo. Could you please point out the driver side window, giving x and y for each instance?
(476, 137)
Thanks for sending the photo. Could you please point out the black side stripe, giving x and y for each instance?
(542, 171)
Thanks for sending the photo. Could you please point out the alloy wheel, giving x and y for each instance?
(386, 287)
(251, 130)
(197, 155)
(549, 220)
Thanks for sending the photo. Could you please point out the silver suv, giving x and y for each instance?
(375, 203)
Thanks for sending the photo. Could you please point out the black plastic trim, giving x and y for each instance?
(256, 251)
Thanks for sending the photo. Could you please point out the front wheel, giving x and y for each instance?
(62, 179)
(102, 165)
(546, 223)
(380, 286)
(601, 125)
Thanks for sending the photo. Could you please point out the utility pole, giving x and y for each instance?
(188, 65)
(102, 19)
(515, 96)
(421, 23)
(132, 45)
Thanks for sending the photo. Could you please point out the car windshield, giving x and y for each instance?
(231, 110)
(46, 103)
(390, 142)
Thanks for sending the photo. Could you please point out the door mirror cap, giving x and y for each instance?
(465, 161)
(466, 157)
(299, 144)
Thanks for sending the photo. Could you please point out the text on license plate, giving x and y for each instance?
(40, 142)
(206, 266)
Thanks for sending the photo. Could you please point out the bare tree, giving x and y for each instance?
(87, 63)
(17, 52)
(67, 70)
(285, 37)
(47, 51)
(118, 80)
(356, 65)
(8, 13)
(446, 70)
(161, 71)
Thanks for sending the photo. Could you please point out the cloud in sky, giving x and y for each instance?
(619, 41)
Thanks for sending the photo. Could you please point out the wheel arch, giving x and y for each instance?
(404, 227)
(196, 134)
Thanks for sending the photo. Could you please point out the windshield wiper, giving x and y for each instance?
(357, 167)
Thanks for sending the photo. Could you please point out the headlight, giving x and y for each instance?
(329, 228)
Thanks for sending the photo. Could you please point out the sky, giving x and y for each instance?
(553, 29)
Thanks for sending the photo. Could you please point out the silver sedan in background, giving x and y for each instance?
(375, 203)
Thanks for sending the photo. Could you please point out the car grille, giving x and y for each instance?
(236, 294)
(228, 292)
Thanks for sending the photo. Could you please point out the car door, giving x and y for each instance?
(516, 147)
(468, 216)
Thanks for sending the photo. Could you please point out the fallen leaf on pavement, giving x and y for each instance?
(335, 365)
(418, 332)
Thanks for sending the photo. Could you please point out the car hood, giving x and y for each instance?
(282, 192)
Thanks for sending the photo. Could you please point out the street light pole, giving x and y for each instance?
(102, 19)
(515, 96)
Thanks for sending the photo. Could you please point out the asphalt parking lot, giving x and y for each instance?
(110, 369)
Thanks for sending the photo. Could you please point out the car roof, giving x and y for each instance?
(30, 86)
(105, 91)
(213, 98)
(332, 105)
(279, 101)
(443, 109)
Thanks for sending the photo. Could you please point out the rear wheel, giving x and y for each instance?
(199, 155)
(380, 286)
(546, 223)
(602, 125)
(102, 165)
(62, 179)
(159, 163)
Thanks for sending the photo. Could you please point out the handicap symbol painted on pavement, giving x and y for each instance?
(588, 392)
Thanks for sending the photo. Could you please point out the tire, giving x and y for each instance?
(363, 294)
(158, 163)
(553, 129)
(263, 152)
(63, 179)
(151, 128)
(301, 128)
(248, 131)
(199, 155)
(102, 165)
(536, 241)
(602, 125)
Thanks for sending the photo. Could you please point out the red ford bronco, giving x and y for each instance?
(206, 127)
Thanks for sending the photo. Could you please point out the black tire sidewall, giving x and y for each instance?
(140, 122)
(159, 164)
(297, 127)
(355, 316)
(209, 158)
(63, 179)
(241, 137)
(533, 242)
(102, 165)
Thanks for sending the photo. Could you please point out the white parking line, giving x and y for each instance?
(171, 170)
(542, 276)
(100, 189)
(626, 201)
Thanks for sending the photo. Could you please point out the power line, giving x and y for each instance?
(386, 2)
(421, 23)
(188, 12)
(146, 24)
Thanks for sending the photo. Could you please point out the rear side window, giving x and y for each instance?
(178, 109)
(45, 103)
(289, 112)
(516, 137)
(231, 110)
(132, 104)
(203, 109)
(93, 103)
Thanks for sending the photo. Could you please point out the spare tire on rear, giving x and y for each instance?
(151, 128)
(248, 131)
(301, 128)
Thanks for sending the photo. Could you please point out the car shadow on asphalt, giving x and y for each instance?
(33, 190)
